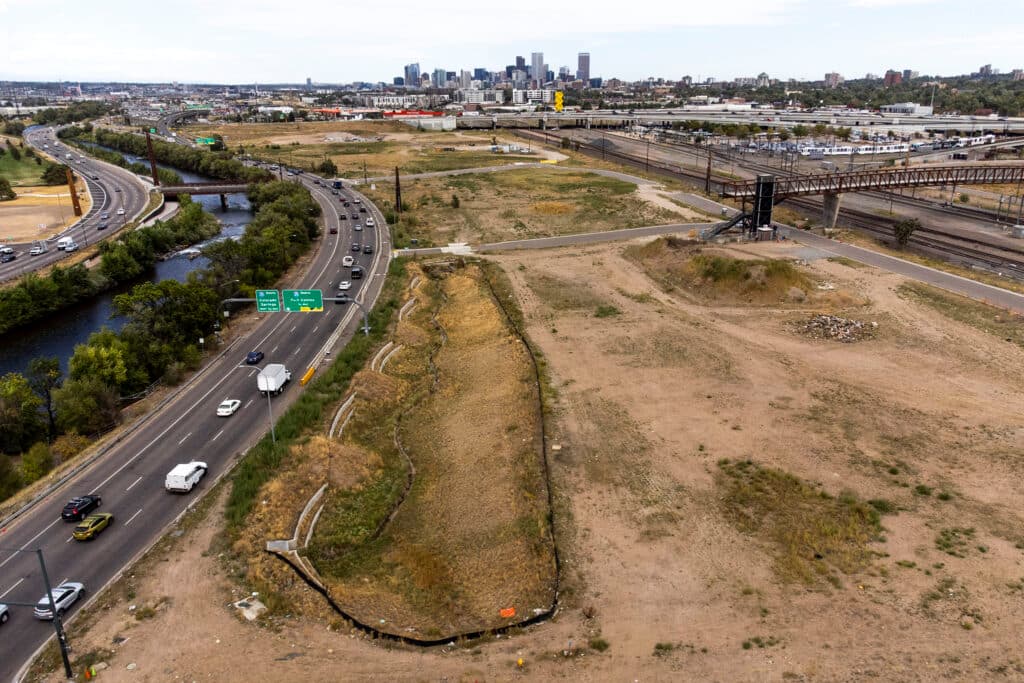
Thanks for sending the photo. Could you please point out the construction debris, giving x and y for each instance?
(844, 330)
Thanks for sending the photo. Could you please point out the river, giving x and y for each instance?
(63, 330)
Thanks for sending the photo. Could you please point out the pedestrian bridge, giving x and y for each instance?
(223, 187)
(769, 190)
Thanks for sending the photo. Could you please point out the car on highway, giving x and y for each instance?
(37, 249)
(118, 189)
(347, 261)
(77, 508)
(342, 299)
(7, 257)
(5, 614)
(71, 246)
(316, 182)
(344, 285)
(334, 192)
(355, 201)
(253, 357)
(104, 216)
(369, 221)
(355, 216)
(368, 249)
(228, 407)
(120, 212)
(346, 204)
(362, 209)
(342, 217)
(357, 272)
(63, 595)
(101, 226)
(334, 230)
(356, 248)
(357, 227)
(95, 177)
(90, 527)
(185, 476)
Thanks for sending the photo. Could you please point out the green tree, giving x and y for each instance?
(86, 406)
(21, 423)
(455, 201)
(44, 375)
(14, 152)
(103, 358)
(328, 168)
(36, 463)
(55, 174)
(10, 478)
(800, 131)
(6, 191)
(904, 229)
(67, 446)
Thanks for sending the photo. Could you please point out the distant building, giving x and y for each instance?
(762, 80)
(686, 81)
(309, 83)
(440, 78)
(833, 79)
(520, 62)
(985, 70)
(906, 109)
(533, 96)
(909, 75)
(537, 68)
(583, 66)
(892, 78)
(398, 81)
(465, 79)
(479, 96)
(480, 74)
(1017, 74)
(412, 75)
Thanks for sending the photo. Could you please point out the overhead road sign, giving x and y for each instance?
(303, 300)
(268, 301)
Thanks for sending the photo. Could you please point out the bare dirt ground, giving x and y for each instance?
(661, 580)
(44, 206)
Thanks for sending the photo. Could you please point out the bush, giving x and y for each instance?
(36, 463)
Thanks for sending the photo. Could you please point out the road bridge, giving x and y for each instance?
(769, 190)
(223, 188)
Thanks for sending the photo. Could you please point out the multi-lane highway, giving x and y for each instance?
(130, 475)
(112, 189)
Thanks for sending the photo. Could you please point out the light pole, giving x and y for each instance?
(58, 626)
(270, 406)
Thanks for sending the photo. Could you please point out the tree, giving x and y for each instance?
(10, 478)
(55, 174)
(44, 375)
(6, 191)
(904, 229)
(455, 201)
(86, 406)
(328, 168)
(21, 423)
(36, 463)
(15, 153)
(67, 446)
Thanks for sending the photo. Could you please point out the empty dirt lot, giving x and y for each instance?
(737, 500)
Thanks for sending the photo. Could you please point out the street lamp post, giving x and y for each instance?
(58, 625)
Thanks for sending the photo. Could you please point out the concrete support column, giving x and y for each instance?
(830, 207)
(224, 202)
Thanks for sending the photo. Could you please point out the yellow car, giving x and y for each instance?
(92, 525)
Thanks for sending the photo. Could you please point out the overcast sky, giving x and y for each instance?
(266, 41)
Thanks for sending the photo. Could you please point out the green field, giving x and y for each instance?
(21, 173)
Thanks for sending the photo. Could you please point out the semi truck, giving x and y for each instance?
(336, 184)
(272, 379)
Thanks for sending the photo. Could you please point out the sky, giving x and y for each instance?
(274, 41)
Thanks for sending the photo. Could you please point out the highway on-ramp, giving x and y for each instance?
(130, 475)
(112, 189)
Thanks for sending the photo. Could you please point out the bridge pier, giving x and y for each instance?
(224, 202)
(830, 209)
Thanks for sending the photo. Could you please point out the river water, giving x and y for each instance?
(58, 334)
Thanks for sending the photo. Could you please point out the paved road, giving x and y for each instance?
(130, 474)
(112, 188)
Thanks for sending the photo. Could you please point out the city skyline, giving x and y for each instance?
(257, 41)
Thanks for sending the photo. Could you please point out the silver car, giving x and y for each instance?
(64, 596)
(5, 614)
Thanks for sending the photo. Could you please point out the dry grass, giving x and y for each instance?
(989, 319)
(471, 537)
(517, 204)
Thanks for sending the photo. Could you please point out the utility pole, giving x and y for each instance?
(398, 194)
(707, 175)
(365, 180)
(152, 159)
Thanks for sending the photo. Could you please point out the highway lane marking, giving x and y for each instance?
(133, 484)
(273, 350)
(133, 517)
(248, 403)
(184, 437)
(253, 372)
(4, 594)
(293, 329)
(316, 328)
(62, 581)
(29, 542)
(217, 436)
(296, 350)
(70, 538)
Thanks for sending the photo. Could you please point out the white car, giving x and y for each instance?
(120, 212)
(369, 222)
(64, 596)
(5, 614)
(344, 285)
(347, 261)
(228, 407)
(357, 227)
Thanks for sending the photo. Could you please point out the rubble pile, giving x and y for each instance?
(840, 329)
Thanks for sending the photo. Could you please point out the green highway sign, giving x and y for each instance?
(152, 130)
(303, 300)
(205, 141)
(267, 301)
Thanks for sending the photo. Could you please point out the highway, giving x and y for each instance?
(111, 187)
(130, 475)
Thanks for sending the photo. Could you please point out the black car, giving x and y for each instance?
(334, 192)
(78, 508)
(355, 216)
(362, 209)
(253, 357)
(101, 226)
(342, 217)
(7, 257)
(334, 230)
(346, 203)
(357, 272)
(368, 249)
(355, 247)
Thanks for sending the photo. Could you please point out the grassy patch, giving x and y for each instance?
(955, 541)
(981, 316)
(607, 311)
(598, 644)
(24, 172)
(565, 295)
(812, 533)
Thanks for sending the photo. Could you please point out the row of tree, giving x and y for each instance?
(42, 411)
(121, 260)
(220, 165)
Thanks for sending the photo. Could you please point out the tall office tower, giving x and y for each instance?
(537, 70)
(583, 66)
(412, 75)
(520, 63)
(440, 79)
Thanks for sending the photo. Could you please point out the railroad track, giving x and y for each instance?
(967, 251)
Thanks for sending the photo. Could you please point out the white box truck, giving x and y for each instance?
(185, 476)
(272, 378)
